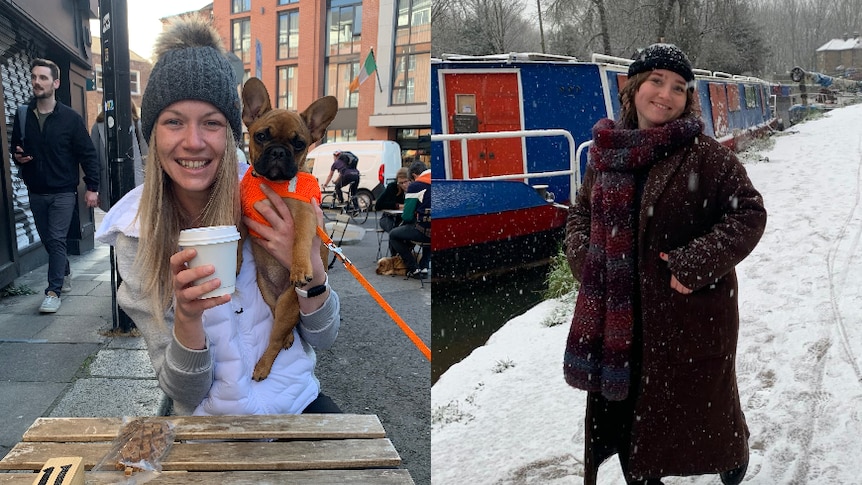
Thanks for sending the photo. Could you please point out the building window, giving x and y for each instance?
(345, 27)
(287, 2)
(238, 6)
(415, 145)
(414, 22)
(134, 81)
(287, 87)
(288, 34)
(411, 75)
(338, 77)
(344, 36)
(241, 41)
(411, 71)
(340, 135)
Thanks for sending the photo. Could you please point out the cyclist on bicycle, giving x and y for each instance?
(345, 163)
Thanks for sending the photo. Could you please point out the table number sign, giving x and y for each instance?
(66, 470)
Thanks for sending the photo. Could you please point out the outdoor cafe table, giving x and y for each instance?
(397, 214)
(299, 449)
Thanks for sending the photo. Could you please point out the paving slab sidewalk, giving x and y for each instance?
(70, 363)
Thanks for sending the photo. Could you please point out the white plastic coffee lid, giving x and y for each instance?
(208, 235)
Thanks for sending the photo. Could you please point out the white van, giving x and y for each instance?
(379, 160)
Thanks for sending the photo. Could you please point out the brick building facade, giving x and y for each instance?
(304, 49)
(841, 57)
(139, 73)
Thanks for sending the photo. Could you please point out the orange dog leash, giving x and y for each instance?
(374, 294)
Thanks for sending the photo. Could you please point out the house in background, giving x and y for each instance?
(305, 49)
(841, 57)
(59, 31)
(139, 73)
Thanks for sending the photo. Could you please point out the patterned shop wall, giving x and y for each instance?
(17, 50)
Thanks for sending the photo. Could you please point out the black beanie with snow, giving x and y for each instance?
(663, 56)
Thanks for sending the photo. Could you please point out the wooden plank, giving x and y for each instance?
(283, 455)
(301, 426)
(31, 456)
(226, 456)
(303, 477)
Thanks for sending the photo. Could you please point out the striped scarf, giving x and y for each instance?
(598, 348)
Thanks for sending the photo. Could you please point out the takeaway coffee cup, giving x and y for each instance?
(216, 245)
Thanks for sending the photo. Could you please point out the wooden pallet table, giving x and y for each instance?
(296, 449)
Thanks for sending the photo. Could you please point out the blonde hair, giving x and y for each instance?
(628, 112)
(161, 220)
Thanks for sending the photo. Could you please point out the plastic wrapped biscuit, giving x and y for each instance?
(140, 446)
(144, 444)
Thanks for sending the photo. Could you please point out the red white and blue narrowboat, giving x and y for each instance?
(499, 202)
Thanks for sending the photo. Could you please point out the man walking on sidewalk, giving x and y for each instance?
(49, 141)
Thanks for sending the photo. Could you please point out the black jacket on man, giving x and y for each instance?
(57, 149)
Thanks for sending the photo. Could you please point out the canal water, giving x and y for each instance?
(464, 314)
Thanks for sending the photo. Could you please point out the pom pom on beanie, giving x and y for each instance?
(191, 64)
(663, 56)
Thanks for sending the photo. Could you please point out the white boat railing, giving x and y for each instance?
(583, 146)
(574, 166)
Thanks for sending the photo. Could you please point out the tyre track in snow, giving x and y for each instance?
(794, 341)
(806, 466)
(836, 285)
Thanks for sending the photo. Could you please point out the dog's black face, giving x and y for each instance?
(278, 145)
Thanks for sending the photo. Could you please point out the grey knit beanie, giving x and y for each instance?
(663, 56)
(191, 65)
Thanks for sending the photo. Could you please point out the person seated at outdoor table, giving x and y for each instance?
(204, 350)
(416, 224)
(393, 199)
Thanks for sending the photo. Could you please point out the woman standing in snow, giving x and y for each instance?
(664, 215)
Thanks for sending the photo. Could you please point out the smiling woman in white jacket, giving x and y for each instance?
(204, 350)
(217, 380)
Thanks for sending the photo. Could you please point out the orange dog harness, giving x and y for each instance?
(302, 187)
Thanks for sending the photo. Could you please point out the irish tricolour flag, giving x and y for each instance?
(368, 67)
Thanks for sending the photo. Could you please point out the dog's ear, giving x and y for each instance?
(319, 115)
(255, 100)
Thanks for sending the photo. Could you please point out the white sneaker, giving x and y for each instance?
(67, 284)
(50, 304)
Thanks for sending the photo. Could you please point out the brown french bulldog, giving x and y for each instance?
(278, 143)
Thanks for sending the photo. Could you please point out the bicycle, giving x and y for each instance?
(356, 207)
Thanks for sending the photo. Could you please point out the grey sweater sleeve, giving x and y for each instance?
(185, 375)
(320, 328)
